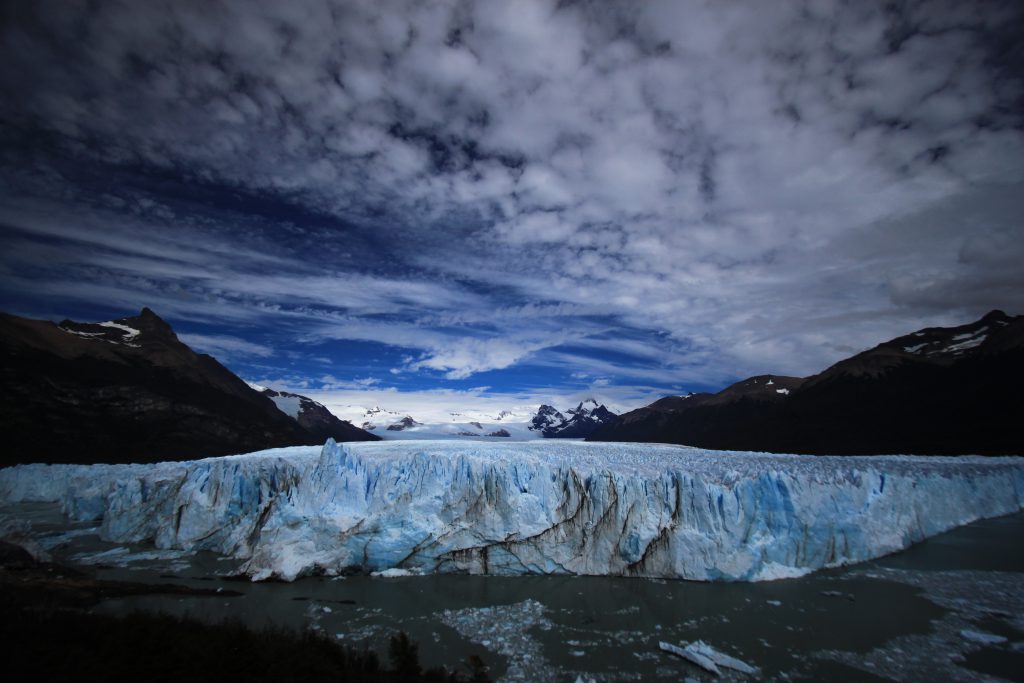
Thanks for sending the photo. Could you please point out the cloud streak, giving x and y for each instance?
(676, 192)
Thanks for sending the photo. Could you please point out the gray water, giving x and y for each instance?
(897, 618)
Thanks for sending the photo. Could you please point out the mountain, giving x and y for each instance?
(126, 390)
(312, 416)
(389, 419)
(547, 418)
(939, 390)
(403, 424)
(577, 423)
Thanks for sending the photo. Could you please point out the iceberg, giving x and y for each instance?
(708, 658)
(692, 656)
(537, 507)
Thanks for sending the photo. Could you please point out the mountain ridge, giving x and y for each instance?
(934, 391)
(126, 390)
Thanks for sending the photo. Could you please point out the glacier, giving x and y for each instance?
(536, 507)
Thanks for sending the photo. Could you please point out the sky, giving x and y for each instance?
(444, 206)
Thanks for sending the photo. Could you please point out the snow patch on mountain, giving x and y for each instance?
(289, 404)
(130, 333)
(541, 507)
(109, 331)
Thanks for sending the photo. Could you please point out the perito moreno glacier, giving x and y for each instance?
(536, 507)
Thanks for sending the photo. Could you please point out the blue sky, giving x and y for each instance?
(491, 203)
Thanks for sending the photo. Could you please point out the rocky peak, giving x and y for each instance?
(577, 422)
(546, 417)
(403, 424)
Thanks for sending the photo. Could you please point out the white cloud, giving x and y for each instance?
(225, 347)
(736, 189)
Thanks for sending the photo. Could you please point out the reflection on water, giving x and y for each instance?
(848, 624)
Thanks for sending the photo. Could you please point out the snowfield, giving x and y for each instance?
(530, 507)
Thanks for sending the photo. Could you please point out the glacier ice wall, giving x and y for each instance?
(536, 507)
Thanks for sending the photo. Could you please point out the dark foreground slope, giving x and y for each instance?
(50, 634)
(936, 391)
(127, 391)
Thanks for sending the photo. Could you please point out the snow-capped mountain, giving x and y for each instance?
(547, 417)
(312, 416)
(73, 390)
(378, 418)
(952, 390)
(576, 423)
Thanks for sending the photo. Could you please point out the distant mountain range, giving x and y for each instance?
(955, 390)
(128, 390)
(576, 423)
(547, 422)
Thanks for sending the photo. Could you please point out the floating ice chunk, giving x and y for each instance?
(774, 603)
(505, 629)
(982, 637)
(691, 656)
(838, 594)
(102, 556)
(721, 659)
(393, 573)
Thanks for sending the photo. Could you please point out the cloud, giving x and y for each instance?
(224, 346)
(674, 192)
(467, 356)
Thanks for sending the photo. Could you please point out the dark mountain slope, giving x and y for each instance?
(937, 391)
(125, 391)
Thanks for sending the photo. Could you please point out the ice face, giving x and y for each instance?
(531, 507)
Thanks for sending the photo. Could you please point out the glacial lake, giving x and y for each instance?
(921, 614)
